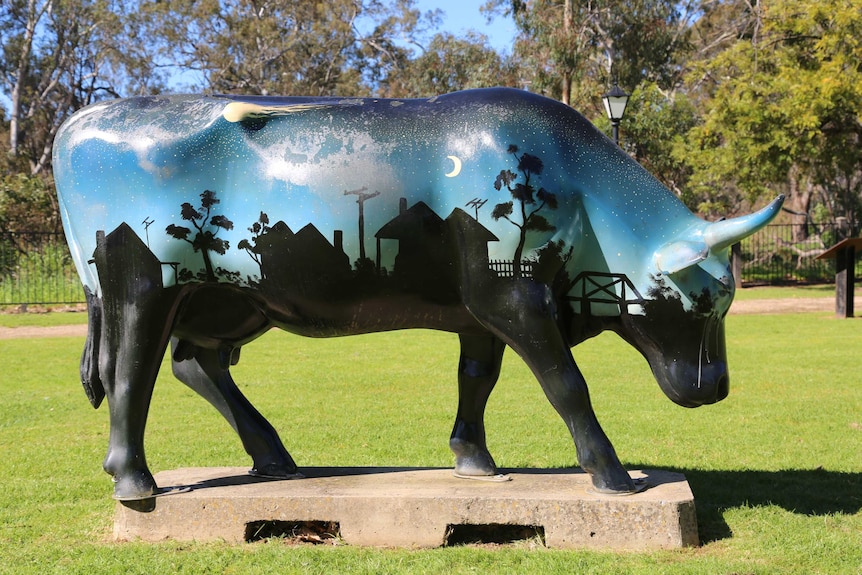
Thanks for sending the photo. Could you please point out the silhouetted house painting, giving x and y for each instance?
(275, 241)
(476, 237)
(422, 239)
(313, 254)
(426, 251)
(123, 240)
(304, 260)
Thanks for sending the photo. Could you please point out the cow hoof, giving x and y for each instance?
(275, 472)
(630, 487)
(471, 460)
(136, 487)
(498, 478)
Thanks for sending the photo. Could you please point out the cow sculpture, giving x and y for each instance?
(205, 221)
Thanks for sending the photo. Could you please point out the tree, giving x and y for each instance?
(451, 63)
(57, 57)
(573, 49)
(258, 229)
(302, 47)
(205, 240)
(27, 203)
(782, 111)
(526, 194)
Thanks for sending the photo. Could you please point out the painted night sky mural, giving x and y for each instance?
(330, 164)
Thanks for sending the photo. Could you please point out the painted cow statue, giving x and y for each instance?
(499, 215)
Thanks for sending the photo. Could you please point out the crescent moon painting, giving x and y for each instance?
(456, 166)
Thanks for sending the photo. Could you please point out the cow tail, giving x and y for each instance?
(90, 378)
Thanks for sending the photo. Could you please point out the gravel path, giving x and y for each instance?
(52, 331)
(755, 306)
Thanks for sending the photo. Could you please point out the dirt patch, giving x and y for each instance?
(787, 305)
(50, 331)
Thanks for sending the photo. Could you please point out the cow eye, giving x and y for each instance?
(253, 124)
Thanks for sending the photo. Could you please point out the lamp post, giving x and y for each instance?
(615, 105)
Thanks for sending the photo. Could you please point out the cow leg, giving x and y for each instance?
(137, 318)
(524, 317)
(207, 372)
(478, 371)
(134, 339)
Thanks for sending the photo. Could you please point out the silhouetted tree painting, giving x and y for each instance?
(205, 240)
(257, 229)
(526, 195)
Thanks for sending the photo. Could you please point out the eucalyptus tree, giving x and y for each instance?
(573, 49)
(781, 110)
(57, 56)
(450, 63)
(302, 47)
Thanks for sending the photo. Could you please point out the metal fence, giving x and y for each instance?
(787, 253)
(36, 268)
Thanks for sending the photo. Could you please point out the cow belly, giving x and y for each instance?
(216, 315)
(313, 317)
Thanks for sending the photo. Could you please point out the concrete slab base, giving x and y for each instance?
(408, 507)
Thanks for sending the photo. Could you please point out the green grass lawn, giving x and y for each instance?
(776, 469)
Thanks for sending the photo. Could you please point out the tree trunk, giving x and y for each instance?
(22, 72)
(566, 87)
(799, 205)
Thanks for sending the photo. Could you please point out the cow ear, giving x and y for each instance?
(676, 256)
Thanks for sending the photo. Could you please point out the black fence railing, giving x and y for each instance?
(787, 253)
(36, 268)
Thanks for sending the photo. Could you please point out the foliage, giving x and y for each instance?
(57, 56)
(655, 123)
(776, 476)
(571, 49)
(449, 64)
(277, 47)
(783, 107)
(27, 203)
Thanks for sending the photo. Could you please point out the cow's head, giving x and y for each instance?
(681, 332)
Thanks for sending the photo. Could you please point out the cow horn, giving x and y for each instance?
(720, 235)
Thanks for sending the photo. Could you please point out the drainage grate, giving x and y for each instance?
(315, 532)
(497, 533)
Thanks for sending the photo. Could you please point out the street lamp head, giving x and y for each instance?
(615, 103)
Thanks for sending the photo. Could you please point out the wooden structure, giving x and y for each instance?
(844, 254)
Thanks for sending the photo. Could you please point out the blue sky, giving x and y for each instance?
(463, 15)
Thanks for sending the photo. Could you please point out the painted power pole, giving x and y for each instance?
(361, 195)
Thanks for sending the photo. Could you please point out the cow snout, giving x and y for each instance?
(693, 385)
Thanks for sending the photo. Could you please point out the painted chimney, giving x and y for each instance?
(338, 240)
(402, 205)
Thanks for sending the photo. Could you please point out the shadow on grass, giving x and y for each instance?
(802, 491)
